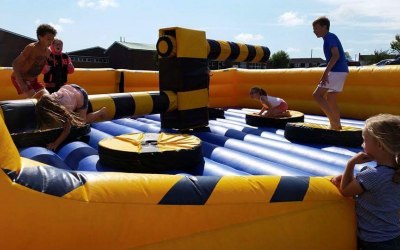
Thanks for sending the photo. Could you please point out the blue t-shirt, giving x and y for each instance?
(378, 207)
(331, 41)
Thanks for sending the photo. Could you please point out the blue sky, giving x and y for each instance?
(362, 25)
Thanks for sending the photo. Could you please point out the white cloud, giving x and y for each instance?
(58, 27)
(65, 20)
(97, 4)
(246, 37)
(374, 39)
(382, 14)
(290, 19)
(294, 50)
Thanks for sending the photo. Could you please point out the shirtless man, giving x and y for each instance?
(29, 64)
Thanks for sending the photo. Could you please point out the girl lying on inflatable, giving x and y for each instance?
(66, 107)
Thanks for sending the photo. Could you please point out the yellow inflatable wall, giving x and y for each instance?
(141, 211)
(139, 81)
(96, 81)
(8, 91)
(367, 91)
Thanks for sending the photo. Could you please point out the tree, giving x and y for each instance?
(280, 59)
(395, 45)
(378, 56)
(348, 56)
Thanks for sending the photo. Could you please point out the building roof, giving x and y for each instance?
(87, 49)
(307, 60)
(135, 46)
(15, 34)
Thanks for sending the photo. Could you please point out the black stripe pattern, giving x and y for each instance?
(124, 105)
(19, 115)
(291, 188)
(216, 49)
(48, 180)
(191, 190)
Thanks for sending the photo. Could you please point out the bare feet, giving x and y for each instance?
(99, 115)
(103, 113)
(286, 114)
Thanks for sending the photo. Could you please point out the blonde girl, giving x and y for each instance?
(67, 107)
(376, 190)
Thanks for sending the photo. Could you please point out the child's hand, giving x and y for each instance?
(336, 180)
(324, 80)
(360, 158)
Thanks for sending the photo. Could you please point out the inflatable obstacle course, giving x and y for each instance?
(181, 211)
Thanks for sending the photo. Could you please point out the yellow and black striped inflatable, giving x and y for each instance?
(151, 152)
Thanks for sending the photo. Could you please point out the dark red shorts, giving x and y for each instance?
(32, 84)
(282, 107)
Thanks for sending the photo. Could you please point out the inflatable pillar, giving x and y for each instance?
(184, 69)
(236, 52)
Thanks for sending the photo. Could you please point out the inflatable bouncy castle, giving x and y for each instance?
(162, 172)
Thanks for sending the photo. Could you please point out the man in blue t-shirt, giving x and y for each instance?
(332, 81)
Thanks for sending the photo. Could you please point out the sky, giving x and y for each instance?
(363, 26)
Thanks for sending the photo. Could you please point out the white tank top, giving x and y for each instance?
(274, 101)
(68, 96)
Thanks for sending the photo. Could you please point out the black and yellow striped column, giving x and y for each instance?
(236, 52)
(184, 70)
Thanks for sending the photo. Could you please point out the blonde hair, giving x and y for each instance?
(385, 128)
(50, 111)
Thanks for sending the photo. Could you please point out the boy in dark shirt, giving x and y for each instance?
(58, 67)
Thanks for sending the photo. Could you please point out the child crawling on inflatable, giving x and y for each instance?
(276, 106)
(67, 107)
